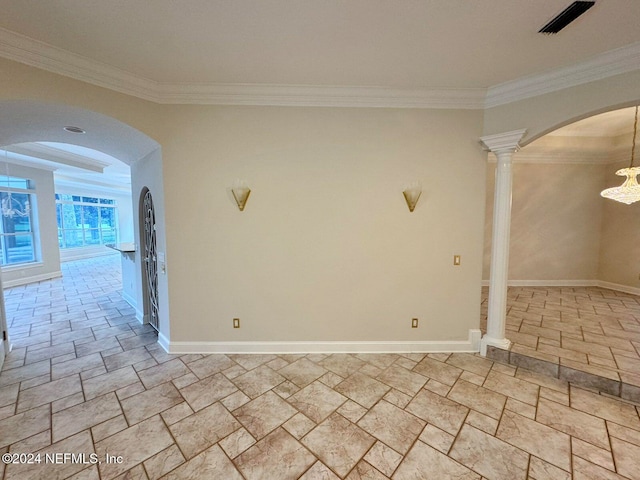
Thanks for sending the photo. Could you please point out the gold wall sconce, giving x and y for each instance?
(241, 195)
(412, 195)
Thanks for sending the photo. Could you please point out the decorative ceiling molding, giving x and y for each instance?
(608, 64)
(88, 185)
(23, 49)
(321, 96)
(26, 163)
(50, 154)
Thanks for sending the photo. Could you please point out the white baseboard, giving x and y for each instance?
(164, 342)
(69, 255)
(4, 351)
(31, 279)
(619, 288)
(570, 283)
(141, 317)
(471, 345)
(553, 283)
(130, 300)
(548, 283)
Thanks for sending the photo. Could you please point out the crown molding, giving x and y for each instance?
(321, 96)
(35, 53)
(23, 49)
(608, 64)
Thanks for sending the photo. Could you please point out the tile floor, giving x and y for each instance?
(587, 335)
(85, 377)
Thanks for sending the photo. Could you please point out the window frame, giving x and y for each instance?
(84, 227)
(30, 191)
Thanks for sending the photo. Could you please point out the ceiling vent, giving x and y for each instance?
(567, 16)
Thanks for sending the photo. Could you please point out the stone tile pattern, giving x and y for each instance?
(589, 336)
(110, 390)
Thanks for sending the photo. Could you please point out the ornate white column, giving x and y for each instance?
(503, 145)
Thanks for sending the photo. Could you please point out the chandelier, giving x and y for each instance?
(629, 191)
(12, 207)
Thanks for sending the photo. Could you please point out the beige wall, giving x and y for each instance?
(555, 221)
(620, 242)
(326, 248)
(47, 263)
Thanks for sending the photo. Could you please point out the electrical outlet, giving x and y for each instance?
(414, 323)
(456, 260)
(236, 323)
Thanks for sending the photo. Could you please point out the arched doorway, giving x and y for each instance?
(23, 121)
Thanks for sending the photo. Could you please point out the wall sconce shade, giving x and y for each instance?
(412, 195)
(241, 194)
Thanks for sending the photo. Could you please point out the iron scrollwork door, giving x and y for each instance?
(150, 258)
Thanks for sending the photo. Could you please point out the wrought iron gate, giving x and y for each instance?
(150, 258)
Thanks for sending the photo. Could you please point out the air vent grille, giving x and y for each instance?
(567, 16)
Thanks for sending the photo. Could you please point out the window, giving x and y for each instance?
(17, 241)
(86, 221)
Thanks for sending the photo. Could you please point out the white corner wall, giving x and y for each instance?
(147, 173)
(47, 263)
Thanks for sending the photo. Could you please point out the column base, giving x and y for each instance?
(495, 342)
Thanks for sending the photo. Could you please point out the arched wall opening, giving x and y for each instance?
(541, 114)
(24, 121)
(563, 233)
(30, 121)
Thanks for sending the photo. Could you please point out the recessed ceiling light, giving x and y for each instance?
(72, 129)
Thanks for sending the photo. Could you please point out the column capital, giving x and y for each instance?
(504, 142)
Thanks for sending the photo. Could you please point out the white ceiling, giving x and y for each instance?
(389, 43)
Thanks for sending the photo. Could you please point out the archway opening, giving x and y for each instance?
(41, 137)
(574, 259)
